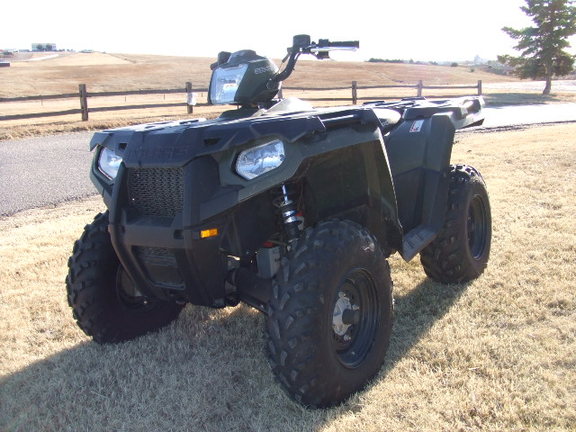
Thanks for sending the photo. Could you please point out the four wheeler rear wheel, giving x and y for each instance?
(105, 302)
(461, 250)
(330, 316)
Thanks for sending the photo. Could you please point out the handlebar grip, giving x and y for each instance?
(325, 43)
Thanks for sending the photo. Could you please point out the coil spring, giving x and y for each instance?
(289, 213)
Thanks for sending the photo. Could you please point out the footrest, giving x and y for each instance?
(416, 240)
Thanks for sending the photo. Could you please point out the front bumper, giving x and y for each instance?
(155, 232)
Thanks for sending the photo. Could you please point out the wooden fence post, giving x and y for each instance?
(354, 92)
(419, 87)
(479, 87)
(190, 98)
(83, 101)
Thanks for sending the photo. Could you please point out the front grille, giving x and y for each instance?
(156, 191)
(160, 265)
(155, 252)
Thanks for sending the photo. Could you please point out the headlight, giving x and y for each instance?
(258, 160)
(225, 83)
(108, 163)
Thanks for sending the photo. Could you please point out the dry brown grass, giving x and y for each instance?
(102, 72)
(493, 355)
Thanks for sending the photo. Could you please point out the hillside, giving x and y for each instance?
(102, 72)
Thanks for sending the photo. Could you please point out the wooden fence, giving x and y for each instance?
(419, 87)
(83, 95)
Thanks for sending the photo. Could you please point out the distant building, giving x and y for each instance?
(479, 60)
(43, 47)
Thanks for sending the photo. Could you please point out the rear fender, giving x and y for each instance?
(419, 151)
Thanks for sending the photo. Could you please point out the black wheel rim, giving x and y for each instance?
(477, 229)
(355, 318)
(128, 294)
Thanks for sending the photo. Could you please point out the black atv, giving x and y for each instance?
(290, 209)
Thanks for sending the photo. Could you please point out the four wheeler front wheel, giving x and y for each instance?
(330, 316)
(105, 302)
(461, 250)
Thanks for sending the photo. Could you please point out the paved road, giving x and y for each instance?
(532, 86)
(47, 170)
(529, 114)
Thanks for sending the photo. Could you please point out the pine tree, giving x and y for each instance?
(542, 46)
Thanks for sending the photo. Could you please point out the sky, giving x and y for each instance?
(425, 30)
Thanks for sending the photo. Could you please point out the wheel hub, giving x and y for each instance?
(354, 317)
(345, 315)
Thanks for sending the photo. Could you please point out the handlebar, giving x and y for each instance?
(302, 44)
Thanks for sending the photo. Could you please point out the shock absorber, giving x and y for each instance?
(289, 212)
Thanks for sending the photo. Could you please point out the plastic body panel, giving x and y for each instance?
(336, 157)
(419, 152)
(382, 166)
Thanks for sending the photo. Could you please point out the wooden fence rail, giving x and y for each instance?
(420, 87)
(83, 95)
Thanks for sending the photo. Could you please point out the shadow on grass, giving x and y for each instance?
(207, 371)
(415, 314)
(496, 100)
